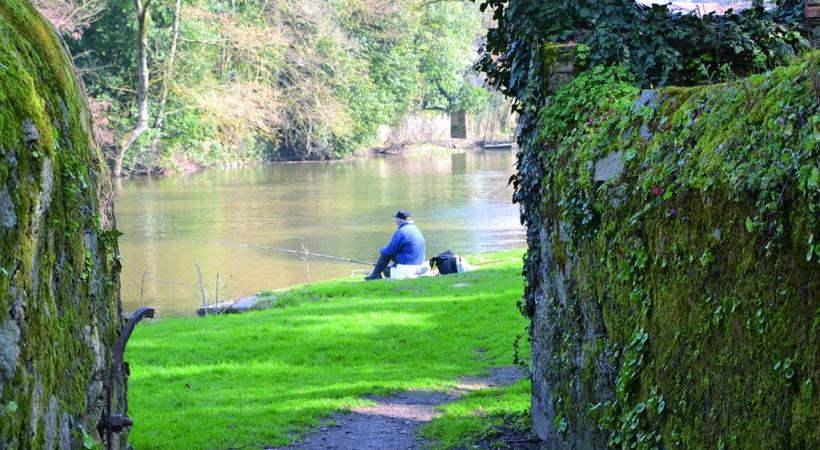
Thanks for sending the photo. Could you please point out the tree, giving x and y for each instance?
(256, 79)
(71, 17)
(143, 9)
(166, 81)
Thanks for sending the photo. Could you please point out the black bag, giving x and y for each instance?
(446, 262)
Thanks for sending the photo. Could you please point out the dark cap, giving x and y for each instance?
(402, 214)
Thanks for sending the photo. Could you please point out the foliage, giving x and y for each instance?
(265, 378)
(280, 80)
(657, 46)
(648, 254)
(445, 46)
(699, 262)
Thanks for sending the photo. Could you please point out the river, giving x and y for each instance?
(461, 201)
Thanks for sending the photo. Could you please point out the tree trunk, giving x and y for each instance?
(166, 83)
(143, 16)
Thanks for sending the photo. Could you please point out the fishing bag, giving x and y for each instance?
(446, 262)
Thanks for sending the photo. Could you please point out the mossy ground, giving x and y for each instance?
(267, 377)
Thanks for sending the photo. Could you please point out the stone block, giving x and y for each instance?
(609, 168)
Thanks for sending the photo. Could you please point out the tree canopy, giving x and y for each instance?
(256, 79)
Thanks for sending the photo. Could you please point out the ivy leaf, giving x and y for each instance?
(640, 407)
(11, 407)
(706, 258)
(750, 224)
(88, 441)
(814, 179)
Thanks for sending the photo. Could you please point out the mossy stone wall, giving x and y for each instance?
(59, 270)
(678, 294)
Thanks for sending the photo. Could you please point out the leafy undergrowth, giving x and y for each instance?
(266, 378)
(492, 418)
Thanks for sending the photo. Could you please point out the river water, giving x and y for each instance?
(460, 201)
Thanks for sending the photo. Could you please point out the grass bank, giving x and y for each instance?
(484, 419)
(265, 378)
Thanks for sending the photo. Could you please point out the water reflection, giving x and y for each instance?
(461, 202)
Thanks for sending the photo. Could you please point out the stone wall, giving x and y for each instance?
(677, 301)
(417, 128)
(811, 12)
(59, 269)
(439, 127)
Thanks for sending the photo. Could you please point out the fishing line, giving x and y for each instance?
(300, 253)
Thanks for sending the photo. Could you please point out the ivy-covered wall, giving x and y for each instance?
(674, 284)
(59, 271)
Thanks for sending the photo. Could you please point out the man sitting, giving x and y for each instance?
(406, 247)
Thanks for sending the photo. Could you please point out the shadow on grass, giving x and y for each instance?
(266, 377)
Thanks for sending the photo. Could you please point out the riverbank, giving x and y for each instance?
(184, 167)
(268, 378)
(461, 201)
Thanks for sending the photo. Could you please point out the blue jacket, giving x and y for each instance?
(407, 245)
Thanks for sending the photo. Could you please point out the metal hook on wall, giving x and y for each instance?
(114, 423)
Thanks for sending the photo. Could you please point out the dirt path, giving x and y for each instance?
(391, 423)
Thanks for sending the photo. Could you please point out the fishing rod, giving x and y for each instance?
(300, 253)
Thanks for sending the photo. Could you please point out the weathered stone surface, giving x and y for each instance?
(811, 12)
(46, 188)
(65, 432)
(560, 70)
(646, 99)
(59, 269)
(31, 134)
(50, 424)
(9, 351)
(609, 168)
(659, 315)
(558, 79)
(7, 217)
(646, 134)
(814, 31)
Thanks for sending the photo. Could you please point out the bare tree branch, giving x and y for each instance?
(71, 17)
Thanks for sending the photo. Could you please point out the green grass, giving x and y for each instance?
(479, 417)
(268, 377)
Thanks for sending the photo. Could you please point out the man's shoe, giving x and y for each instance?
(373, 276)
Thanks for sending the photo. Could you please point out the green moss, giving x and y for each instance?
(549, 54)
(700, 260)
(54, 175)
